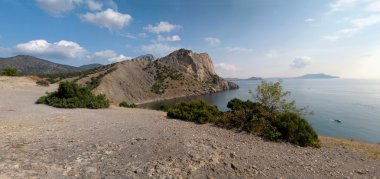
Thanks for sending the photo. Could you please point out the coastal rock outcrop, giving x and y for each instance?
(145, 79)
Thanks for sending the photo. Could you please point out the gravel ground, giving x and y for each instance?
(38, 141)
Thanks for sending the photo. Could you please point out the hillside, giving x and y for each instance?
(32, 65)
(181, 73)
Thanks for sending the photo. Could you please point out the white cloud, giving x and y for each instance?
(143, 35)
(162, 27)
(226, 67)
(374, 6)
(212, 41)
(341, 5)
(358, 23)
(331, 37)
(128, 35)
(238, 49)
(119, 58)
(110, 4)
(159, 49)
(57, 7)
(110, 56)
(105, 54)
(58, 50)
(109, 19)
(301, 62)
(347, 32)
(309, 20)
(168, 38)
(94, 5)
(366, 21)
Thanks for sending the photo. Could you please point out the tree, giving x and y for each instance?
(272, 96)
(10, 71)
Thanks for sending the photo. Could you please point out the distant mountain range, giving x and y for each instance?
(307, 76)
(238, 79)
(31, 65)
(316, 76)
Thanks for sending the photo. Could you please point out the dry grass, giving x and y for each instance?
(373, 150)
(34, 78)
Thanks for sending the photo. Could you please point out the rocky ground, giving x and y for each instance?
(38, 141)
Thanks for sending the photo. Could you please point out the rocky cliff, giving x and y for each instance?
(145, 79)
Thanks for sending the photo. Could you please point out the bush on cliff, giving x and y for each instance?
(10, 71)
(72, 95)
(196, 111)
(127, 105)
(42, 82)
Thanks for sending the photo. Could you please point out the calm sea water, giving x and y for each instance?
(355, 102)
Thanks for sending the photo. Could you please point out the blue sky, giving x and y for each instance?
(267, 38)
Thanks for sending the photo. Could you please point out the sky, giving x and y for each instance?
(245, 38)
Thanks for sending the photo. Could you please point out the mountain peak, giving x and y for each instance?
(146, 57)
(199, 65)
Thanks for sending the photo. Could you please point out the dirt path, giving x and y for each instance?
(44, 142)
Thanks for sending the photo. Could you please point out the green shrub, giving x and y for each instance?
(296, 130)
(244, 116)
(158, 88)
(164, 107)
(195, 111)
(42, 82)
(72, 95)
(127, 105)
(272, 117)
(10, 71)
(271, 133)
(94, 82)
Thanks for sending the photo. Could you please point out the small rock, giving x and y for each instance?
(139, 170)
(233, 166)
(359, 172)
(232, 155)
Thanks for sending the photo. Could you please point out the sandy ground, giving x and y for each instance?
(38, 141)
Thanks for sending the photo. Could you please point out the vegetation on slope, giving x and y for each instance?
(42, 82)
(270, 116)
(53, 78)
(196, 111)
(72, 95)
(127, 105)
(10, 71)
(162, 73)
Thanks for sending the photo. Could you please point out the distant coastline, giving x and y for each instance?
(306, 76)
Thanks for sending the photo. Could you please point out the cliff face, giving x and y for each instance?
(181, 73)
(198, 65)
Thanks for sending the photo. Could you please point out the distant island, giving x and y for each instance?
(306, 76)
(316, 76)
(238, 79)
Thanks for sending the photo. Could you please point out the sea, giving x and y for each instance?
(354, 102)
